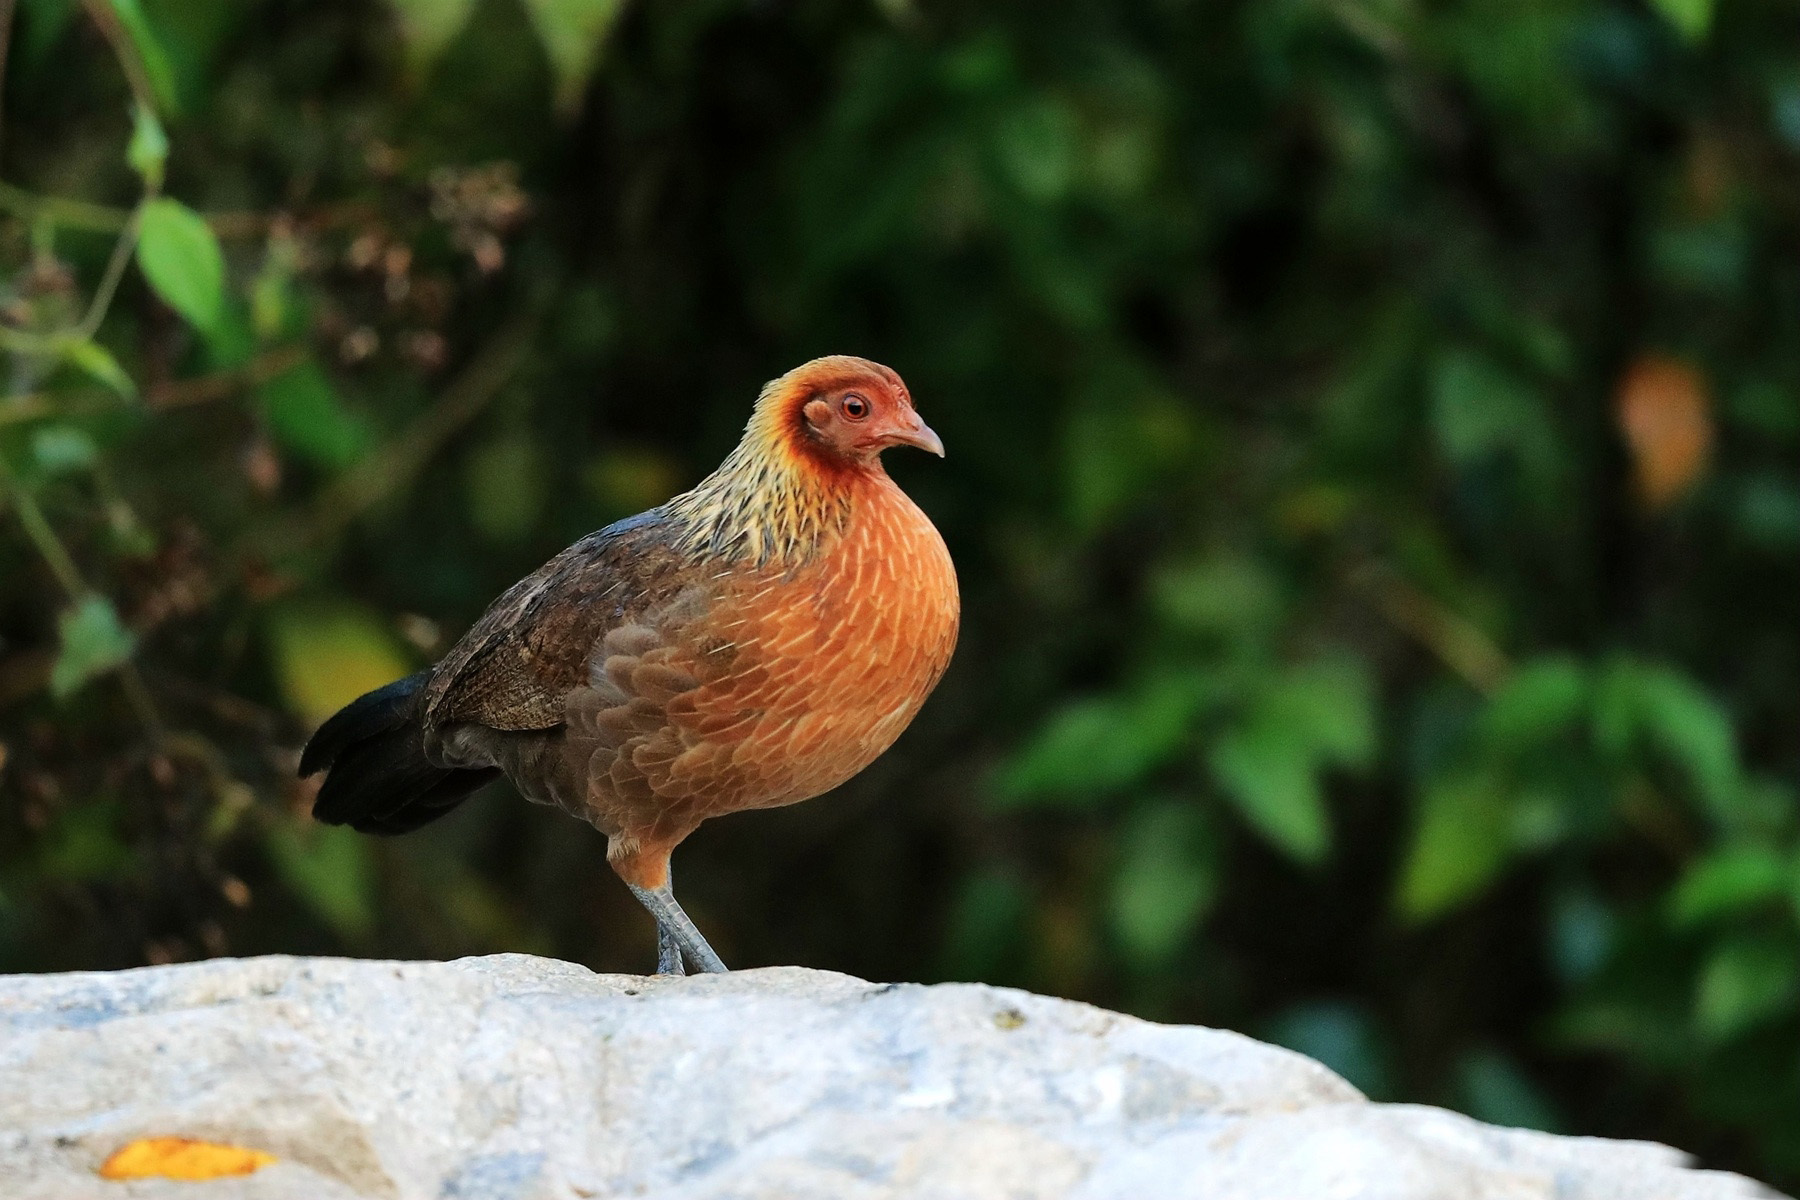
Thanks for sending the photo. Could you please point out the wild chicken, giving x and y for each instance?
(751, 643)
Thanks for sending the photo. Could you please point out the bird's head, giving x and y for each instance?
(810, 455)
(841, 413)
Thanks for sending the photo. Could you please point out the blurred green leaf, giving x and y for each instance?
(1767, 408)
(195, 34)
(1728, 881)
(330, 868)
(327, 653)
(149, 51)
(1542, 699)
(573, 32)
(629, 479)
(1165, 879)
(1327, 705)
(97, 362)
(1223, 594)
(182, 260)
(148, 150)
(306, 416)
(1746, 982)
(60, 448)
(45, 22)
(1266, 771)
(1037, 144)
(1647, 704)
(1784, 107)
(428, 26)
(273, 303)
(1317, 714)
(84, 845)
(1712, 256)
(1095, 745)
(94, 641)
(1479, 409)
(1768, 511)
(1459, 844)
(1691, 18)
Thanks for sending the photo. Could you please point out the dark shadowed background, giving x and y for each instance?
(1372, 472)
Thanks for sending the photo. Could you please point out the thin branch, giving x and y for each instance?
(1458, 642)
(203, 389)
(90, 217)
(162, 397)
(115, 271)
(123, 50)
(24, 341)
(38, 529)
(62, 211)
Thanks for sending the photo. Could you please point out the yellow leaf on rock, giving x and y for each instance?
(182, 1158)
(1665, 414)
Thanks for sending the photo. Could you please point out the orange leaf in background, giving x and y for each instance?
(1665, 415)
(182, 1158)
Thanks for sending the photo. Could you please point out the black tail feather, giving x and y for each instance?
(378, 779)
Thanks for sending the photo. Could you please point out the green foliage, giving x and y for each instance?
(147, 48)
(327, 653)
(331, 869)
(1166, 878)
(1372, 478)
(97, 362)
(1462, 841)
(306, 416)
(1730, 881)
(1692, 18)
(1747, 981)
(426, 27)
(93, 642)
(181, 259)
(574, 33)
(1094, 745)
(148, 150)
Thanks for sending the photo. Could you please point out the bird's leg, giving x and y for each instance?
(674, 924)
(668, 952)
(668, 948)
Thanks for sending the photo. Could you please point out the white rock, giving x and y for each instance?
(518, 1078)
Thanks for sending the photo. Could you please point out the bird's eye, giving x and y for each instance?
(855, 407)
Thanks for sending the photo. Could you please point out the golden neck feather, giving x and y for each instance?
(770, 501)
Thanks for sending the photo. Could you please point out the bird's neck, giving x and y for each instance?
(772, 505)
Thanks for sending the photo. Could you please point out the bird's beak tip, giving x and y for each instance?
(926, 439)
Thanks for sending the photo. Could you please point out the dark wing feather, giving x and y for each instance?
(514, 670)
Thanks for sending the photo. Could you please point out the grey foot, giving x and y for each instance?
(673, 925)
(668, 952)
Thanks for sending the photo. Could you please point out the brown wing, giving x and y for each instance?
(515, 669)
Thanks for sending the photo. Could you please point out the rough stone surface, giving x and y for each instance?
(517, 1078)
